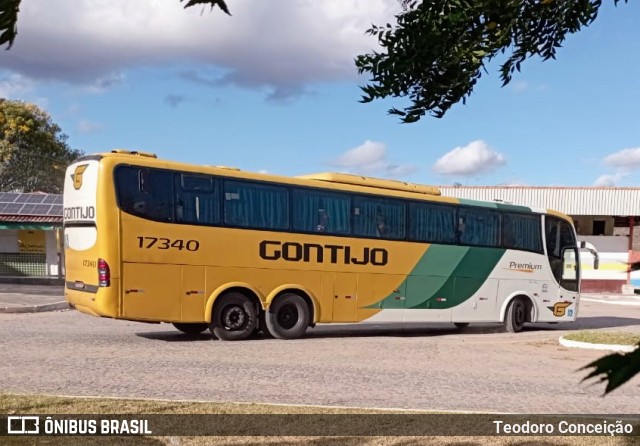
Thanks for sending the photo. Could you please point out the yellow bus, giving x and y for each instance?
(214, 247)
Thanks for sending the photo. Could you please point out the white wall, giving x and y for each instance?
(51, 244)
(614, 257)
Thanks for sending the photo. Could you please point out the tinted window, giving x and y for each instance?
(197, 199)
(373, 217)
(432, 223)
(316, 211)
(478, 227)
(255, 205)
(521, 231)
(559, 235)
(147, 193)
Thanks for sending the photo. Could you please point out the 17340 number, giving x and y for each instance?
(166, 243)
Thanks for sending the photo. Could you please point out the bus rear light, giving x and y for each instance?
(104, 273)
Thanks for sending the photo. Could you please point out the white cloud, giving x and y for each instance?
(370, 157)
(610, 180)
(15, 86)
(474, 158)
(89, 127)
(626, 158)
(85, 40)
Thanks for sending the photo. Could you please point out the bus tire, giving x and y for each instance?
(287, 317)
(461, 325)
(234, 317)
(516, 315)
(192, 329)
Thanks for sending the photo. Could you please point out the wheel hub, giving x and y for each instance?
(234, 318)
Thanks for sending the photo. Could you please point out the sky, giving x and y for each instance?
(274, 88)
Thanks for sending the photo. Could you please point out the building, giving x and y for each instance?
(30, 236)
(607, 217)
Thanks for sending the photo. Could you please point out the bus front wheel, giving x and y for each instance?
(234, 317)
(287, 317)
(516, 315)
(192, 329)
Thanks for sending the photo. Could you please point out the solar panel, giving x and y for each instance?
(9, 197)
(21, 198)
(12, 203)
(35, 199)
(13, 208)
(56, 210)
(41, 209)
(27, 209)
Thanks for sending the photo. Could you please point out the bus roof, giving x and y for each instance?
(378, 183)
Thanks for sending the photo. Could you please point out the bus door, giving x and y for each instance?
(569, 285)
(151, 291)
(564, 261)
(193, 294)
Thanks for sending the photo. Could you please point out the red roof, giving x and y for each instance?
(30, 219)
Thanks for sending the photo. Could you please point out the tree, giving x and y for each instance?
(438, 49)
(9, 16)
(33, 151)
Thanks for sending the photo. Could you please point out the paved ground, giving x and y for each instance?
(31, 298)
(427, 367)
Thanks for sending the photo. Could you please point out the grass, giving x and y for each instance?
(38, 404)
(605, 337)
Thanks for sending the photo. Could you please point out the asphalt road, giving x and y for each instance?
(433, 367)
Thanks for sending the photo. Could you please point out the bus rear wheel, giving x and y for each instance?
(234, 317)
(191, 328)
(287, 317)
(516, 315)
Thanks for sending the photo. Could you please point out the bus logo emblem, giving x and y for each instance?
(559, 308)
(77, 176)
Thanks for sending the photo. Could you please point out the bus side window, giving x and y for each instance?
(256, 205)
(379, 217)
(434, 223)
(520, 231)
(197, 199)
(147, 193)
(320, 212)
(479, 227)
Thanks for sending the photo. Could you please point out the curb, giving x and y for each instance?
(36, 308)
(589, 345)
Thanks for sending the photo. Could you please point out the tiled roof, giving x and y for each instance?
(30, 219)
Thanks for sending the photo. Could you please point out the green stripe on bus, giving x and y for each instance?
(513, 207)
(444, 277)
(499, 206)
(484, 204)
